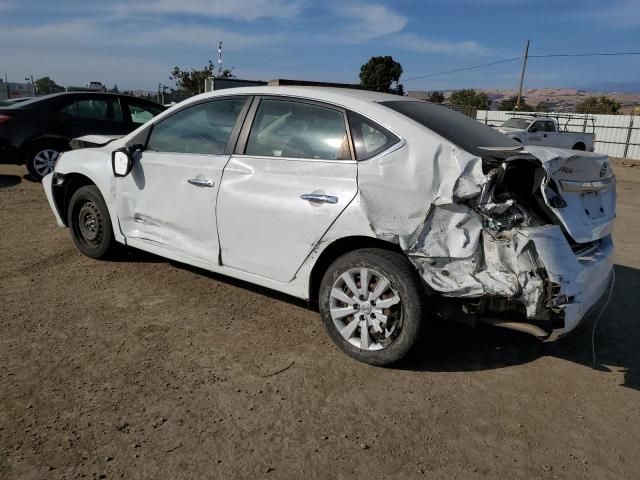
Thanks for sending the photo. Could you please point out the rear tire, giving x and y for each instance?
(89, 223)
(389, 308)
(579, 146)
(42, 157)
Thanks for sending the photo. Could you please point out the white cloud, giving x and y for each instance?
(81, 35)
(370, 21)
(234, 9)
(127, 54)
(411, 41)
(624, 14)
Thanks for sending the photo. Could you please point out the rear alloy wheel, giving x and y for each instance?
(371, 302)
(41, 162)
(89, 222)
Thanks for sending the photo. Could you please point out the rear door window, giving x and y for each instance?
(287, 128)
(95, 109)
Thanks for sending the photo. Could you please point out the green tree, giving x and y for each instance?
(468, 97)
(509, 104)
(600, 104)
(379, 73)
(114, 89)
(192, 80)
(436, 97)
(226, 73)
(45, 86)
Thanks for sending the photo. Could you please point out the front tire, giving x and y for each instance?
(372, 305)
(89, 223)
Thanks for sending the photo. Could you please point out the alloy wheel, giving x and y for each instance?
(45, 161)
(366, 309)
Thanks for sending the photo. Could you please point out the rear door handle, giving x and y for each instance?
(201, 182)
(319, 198)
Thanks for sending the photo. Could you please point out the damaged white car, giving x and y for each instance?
(385, 211)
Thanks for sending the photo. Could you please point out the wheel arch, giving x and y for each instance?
(62, 193)
(579, 146)
(32, 142)
(336, 249)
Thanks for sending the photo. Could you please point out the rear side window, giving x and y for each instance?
(201, 129)
(285, 128)
(369, 138)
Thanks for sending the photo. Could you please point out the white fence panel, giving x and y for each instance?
(615, 134)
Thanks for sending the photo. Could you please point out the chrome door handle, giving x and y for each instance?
(319, 198)
(201, 182)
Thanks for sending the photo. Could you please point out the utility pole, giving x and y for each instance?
(524, 67)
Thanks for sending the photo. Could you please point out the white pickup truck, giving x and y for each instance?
(545, 131)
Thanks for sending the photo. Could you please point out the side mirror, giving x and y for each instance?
(533, 129)
(122, 160)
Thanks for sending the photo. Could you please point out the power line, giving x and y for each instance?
(462, 69)
(612, 54)
(506, 60)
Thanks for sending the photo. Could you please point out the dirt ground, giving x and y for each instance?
(144, 368)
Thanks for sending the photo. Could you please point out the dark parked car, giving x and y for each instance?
(36, 131)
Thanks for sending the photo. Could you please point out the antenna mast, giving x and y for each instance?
(219, 58)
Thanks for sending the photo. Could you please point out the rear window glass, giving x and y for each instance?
(465, 132)
(520, 123)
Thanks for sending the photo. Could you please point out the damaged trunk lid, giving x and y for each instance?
(579, 189)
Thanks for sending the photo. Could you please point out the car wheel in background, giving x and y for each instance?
(89, 222)
(42, 157)
(579, 146)
(371, 303)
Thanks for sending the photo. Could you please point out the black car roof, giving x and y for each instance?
(56, 96)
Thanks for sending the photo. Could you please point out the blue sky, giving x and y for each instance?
(136, 43)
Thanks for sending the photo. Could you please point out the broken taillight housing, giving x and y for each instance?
(4, 118)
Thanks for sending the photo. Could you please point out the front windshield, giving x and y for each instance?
(519, 123)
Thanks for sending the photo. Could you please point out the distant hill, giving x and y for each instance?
(557, 99)
(622, 87)
(563, 99)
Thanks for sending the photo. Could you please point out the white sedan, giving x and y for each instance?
(386, 212)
